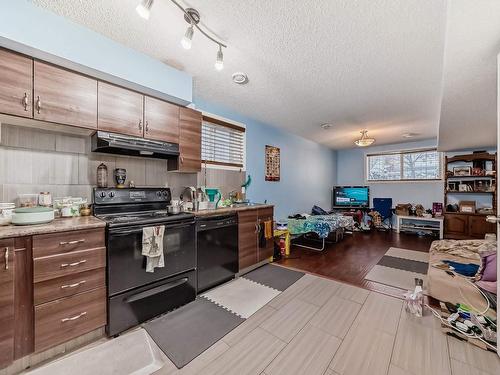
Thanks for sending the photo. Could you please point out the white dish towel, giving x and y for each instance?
(152, 247)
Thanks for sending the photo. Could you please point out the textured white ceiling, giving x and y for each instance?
(469, 106)
(374, 64)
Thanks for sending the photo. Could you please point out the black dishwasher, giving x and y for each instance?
(217, 250)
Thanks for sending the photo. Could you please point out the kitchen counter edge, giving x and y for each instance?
(58, 225)
(230, 210)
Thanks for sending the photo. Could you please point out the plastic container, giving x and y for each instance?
(28, 200)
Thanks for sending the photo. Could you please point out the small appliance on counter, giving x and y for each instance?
(32, 215)
(188, 197)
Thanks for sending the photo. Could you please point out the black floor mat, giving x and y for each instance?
(275, 277)
(188, 331)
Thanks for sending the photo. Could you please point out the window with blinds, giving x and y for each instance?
(404, 166)
(222, 143)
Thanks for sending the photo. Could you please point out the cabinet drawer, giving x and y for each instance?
(67, 318)
(57, 243)
(47, 268)
(66, 286)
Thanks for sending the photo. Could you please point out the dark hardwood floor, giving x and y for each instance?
(352, 258)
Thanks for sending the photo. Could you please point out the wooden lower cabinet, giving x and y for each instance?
(463, 226)
(64, 319)
(6, 301)
(247, 238)
(253, 247)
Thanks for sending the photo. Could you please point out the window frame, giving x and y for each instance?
(219, 120)
(401, 153)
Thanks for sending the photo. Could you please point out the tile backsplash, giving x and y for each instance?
(33, 160)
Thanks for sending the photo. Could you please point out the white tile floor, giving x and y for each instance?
(322, 327)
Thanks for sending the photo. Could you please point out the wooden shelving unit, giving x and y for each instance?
(462, 225)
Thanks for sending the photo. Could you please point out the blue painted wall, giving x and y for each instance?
(351, 171)
(307, 168)
(38, 32)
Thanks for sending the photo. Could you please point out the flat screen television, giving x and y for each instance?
(351, 196)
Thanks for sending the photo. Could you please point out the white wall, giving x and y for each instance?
(351, 171)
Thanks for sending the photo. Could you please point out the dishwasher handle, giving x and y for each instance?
(214, 223)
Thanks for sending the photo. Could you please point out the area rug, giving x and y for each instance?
(187, 332)
(399, 268)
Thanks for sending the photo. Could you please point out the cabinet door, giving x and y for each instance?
(16, 84)
(120, 110)
(266, 246)
(161, 120)
(478, 226)
(6, 301)
(190, 140)
(247, 238)
(64, 97)
(456, 225)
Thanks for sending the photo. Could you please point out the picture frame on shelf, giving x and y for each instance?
(462, 171)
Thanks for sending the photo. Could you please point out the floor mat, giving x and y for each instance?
(274, 277)
(188, 331)
(399, 268)
(242, 297)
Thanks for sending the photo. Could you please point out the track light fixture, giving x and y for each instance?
(219, 62)
(188, 38)
(144, 8)
(192, 17)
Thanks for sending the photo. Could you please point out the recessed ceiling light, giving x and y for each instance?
(240, 78)
(326, 126)
(410, 135)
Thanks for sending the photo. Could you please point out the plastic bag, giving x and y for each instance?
(414, 301)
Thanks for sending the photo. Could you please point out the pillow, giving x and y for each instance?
(490, 286)
(488, 269)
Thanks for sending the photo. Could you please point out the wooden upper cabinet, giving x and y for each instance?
(6, 302)
(120, 110)
(64, 97)
(161, 120)
(16, 84)
(189, 140)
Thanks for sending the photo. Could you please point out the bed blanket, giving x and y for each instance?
(322, 225)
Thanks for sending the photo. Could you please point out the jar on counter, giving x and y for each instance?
(45, 199)
(102, 176)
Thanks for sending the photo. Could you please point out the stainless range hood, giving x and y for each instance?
(118, 144)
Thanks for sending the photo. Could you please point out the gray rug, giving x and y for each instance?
(188, 331)
(185, 333)
(274, 276)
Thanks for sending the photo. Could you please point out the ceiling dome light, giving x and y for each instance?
(409, 135)
(240, 78)
(364, 140)
(326, 126)
(219, 62)
(188, 38)
(144, 8)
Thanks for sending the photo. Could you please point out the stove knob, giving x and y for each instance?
(164, 193)
(102, 194)
(158, 193)
(111, 194)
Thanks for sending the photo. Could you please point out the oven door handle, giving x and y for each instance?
(157, 290)
(167, 228)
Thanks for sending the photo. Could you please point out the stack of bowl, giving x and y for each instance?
(6, 210)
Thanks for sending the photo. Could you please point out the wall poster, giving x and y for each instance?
(272, 163)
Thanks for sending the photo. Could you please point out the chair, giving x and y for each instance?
(384, 207)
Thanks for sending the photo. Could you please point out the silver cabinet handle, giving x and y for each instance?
(64, 265)
(182, 159)
(73, 285)
(74, 317)
(6, 258)
(38, 105)
(140, 124)
(147, 126)
(25, 101)
(256, 228)
(71, 242)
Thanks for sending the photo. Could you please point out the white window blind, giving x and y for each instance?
(222, 143)
(404, 166)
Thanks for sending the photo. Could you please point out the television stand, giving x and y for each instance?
(419, 224)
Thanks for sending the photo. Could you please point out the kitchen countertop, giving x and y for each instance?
(58, 225)
(230, 210)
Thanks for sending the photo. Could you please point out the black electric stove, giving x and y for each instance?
(135, 295)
